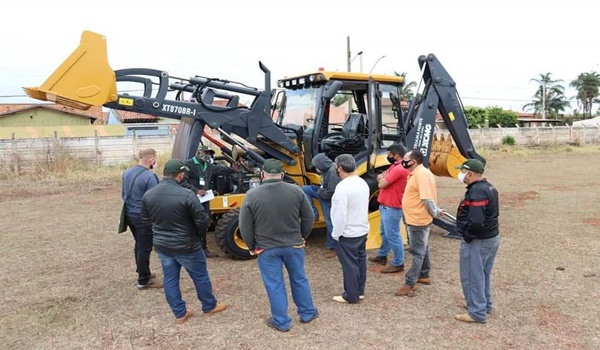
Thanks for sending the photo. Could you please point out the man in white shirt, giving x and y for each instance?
(350, 219)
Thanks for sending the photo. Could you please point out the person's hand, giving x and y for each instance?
(256, 251)
(301, 245)
(201, 193)
(441, 212)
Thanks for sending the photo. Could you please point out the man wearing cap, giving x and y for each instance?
(178, 223)
(477, 221)
(198, 180)
(275, 220)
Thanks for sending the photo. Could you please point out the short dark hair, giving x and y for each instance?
(346, 162)
(397, 149)
(417, 156)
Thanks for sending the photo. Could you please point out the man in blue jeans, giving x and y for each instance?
(477, 221)
(391, 185)
(275, 220)
(179, 222)
(136, 181)
(323, 193)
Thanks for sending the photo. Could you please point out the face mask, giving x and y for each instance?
(406, 163)
(206, 158)
(391, 160)
(154, 165)
(461, 177)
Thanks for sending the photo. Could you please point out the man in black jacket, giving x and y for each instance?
(198, 180)
(477, 221)
(178, 222)
(323, 193)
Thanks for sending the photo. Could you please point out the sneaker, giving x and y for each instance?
(312, 318)
(467, 318)
(424, 280)
(152, 284)
(381, 260)
(330, 254)
(184, 318)
(406, 290)
(269, 323)
(339, 299)
(392, 269)
(218, 308)
(361, 297)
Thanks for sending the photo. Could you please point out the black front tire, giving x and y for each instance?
(229, 239)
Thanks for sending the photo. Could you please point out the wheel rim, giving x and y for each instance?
(237, 239)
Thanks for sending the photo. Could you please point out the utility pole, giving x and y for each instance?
(349, 54)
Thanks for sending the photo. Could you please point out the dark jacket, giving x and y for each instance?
(274, 215)
(176, 216)
(477, 216)
(329, 177)
(198, 171)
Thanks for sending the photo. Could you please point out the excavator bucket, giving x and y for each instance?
(444, 157)
(83, 80)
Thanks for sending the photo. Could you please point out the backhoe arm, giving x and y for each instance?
(440, 94)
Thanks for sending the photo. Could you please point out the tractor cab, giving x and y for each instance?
(340, 112)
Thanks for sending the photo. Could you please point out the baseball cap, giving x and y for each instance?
(273, 166)
(205, 149)
(174, 167)
(473, 165)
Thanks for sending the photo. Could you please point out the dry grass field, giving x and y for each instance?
(68, 279)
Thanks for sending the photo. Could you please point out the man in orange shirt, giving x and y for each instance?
(391, 185)
(419, 206)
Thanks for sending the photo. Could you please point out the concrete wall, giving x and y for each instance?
(114, 150)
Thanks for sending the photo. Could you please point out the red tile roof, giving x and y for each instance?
(94, 112)
(133, 117)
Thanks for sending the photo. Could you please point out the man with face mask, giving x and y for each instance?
(199, 180)
(391, 185)
(323, 193)
(136, 181)
(477, 221)
(419, 204)
(179, 223)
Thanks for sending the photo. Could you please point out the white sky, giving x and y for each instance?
(490, 48)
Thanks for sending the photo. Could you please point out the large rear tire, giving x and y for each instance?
(229, 239)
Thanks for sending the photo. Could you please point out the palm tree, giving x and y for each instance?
(406, 92)
(549, 99)
(588, 90)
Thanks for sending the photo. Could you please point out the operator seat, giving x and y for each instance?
(350, 141)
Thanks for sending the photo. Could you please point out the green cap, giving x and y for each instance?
(473, 165)
(273, 166)
(174, 167)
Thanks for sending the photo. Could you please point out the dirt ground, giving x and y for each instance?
(68, 279)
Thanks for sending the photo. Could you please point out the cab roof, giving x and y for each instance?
(329, 75)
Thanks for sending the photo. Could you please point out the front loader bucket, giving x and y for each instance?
(83, 80)
(444, 157)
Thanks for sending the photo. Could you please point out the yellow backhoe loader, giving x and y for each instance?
(318, 112)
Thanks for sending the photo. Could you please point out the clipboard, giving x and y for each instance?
(210, 195)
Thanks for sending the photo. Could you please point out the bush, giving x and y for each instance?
(509, 140)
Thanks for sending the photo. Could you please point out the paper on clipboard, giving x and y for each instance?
(207, 197)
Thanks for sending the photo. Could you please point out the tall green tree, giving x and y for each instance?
(549, 98)
(406, 93)
(588, 90)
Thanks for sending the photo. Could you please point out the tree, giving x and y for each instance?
(476, 116)
(406, 93)
(588, 90)
(549, 99)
